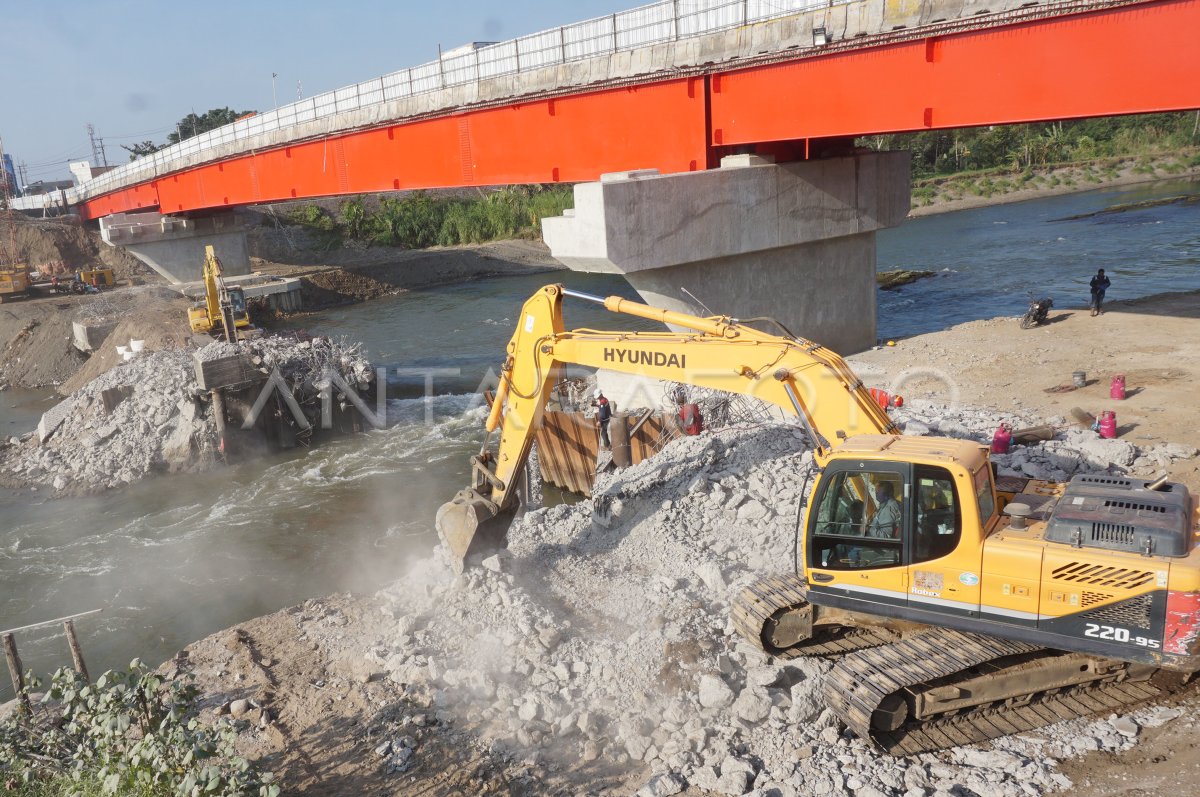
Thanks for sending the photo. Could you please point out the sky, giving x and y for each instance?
(133, 68)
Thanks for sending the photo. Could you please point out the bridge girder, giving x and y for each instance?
(1130, 59)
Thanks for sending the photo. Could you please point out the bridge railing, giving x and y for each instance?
(664, 21)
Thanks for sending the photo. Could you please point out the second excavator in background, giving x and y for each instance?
(223, 312)
(959, 607)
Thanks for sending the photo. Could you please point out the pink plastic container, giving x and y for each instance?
(1108, 424)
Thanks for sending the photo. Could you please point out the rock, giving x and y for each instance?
(637, 746)
(500, 562)
(666, 784)
(892, 280)
(752, 510)
(753, 705)
(1126, 727)
(737, 776)
(383, 749)
(714, 693)
(239, 707)
(1179, 451)
(1161, 716)
(710, 573)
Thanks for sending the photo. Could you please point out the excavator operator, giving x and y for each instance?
(885, 524)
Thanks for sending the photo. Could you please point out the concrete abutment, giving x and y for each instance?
(174, 246)
(793, 241)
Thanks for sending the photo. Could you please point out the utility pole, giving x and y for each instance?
(95, 147)
(274, 98)
(6, 191)
(23, 174)
(299, 92)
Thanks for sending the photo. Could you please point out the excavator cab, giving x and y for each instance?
(900, 520)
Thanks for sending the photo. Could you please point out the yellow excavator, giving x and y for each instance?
(14, 281)
(958, 607)
(223, 311)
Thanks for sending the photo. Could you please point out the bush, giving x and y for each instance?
(418, 221)
(314, 217)
(131, 733)
(353, 217)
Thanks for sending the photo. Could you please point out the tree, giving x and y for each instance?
(193, 125)
(188, 126)
(142, 149)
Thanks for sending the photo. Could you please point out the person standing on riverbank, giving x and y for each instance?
(1099, 285)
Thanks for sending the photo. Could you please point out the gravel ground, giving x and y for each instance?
(596, 655)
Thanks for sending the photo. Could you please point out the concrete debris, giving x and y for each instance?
(146, 416)
(604, 633)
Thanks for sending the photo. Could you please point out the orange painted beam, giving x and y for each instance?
(572, 139)
(1136, 59)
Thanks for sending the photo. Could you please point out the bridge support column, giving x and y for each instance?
(174, 246)
(795, 241)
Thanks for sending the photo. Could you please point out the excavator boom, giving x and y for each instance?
(797, 375)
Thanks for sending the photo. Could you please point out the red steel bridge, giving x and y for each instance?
(1030, 63)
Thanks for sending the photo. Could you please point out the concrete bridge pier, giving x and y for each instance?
(795, 241)
(174, 246)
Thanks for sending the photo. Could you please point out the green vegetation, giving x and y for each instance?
(418, 220)
(188, 126)
(1017, 147)
(131, 734)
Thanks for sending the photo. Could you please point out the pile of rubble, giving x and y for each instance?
(148, 414)
(138, 418)
(600, 642)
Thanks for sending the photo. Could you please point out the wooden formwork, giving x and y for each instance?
(569, 445)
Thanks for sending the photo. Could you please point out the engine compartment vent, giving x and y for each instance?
(1107, 481)
(1113, 533)
(1120, 514)
(1134, 506)
(1094, 575)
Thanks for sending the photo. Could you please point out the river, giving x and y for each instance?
(175, 558)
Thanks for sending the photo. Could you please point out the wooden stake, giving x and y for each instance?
(16, 671)
(76, 651)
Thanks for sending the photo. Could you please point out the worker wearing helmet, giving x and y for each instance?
(603, 416)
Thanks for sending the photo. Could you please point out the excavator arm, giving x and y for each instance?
(802, 377)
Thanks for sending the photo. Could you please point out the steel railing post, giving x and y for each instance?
(562, 43)
(614, 24)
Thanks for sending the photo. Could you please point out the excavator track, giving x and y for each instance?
(763, 604)
(868, 681)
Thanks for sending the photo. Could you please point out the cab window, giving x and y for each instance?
(985, 495)
(938, 524)
(860, 522)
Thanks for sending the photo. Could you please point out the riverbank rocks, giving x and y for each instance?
(605, 635)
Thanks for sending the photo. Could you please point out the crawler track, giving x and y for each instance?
(764, 602)
(877, 669)
(861, 682)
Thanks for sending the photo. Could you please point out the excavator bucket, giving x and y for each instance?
(471, 525)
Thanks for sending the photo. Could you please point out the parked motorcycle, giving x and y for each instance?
(1036, 315)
